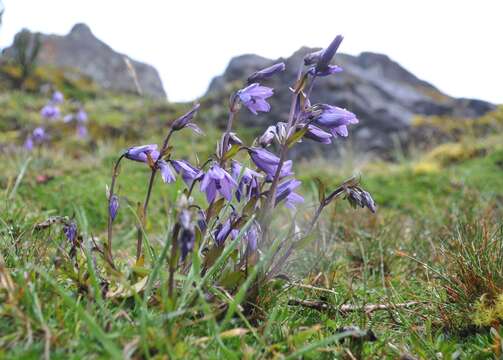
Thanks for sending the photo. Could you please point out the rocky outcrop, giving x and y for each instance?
(82, 51)
(383, 95)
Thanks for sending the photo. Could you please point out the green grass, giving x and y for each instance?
(433, 229)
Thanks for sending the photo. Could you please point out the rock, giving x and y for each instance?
(383, 95)
(82, 51)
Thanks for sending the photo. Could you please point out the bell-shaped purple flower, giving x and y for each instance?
(188, 235)
(58, 97)
(113, 206)
(253, 97)
(249, 185)
(217, 180)
(251, 239)
(334, 118)
(139, 153)
(268, 163)
(28, 144)
(267, 72)
(285, 191)
(184, 120)
(188, 172)
(50, 112)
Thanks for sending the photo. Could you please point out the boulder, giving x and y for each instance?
(82, 51)
(384, 96)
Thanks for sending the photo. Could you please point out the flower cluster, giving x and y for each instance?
(244, 184)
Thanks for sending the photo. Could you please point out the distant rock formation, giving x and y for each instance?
(81, 50)
(382, 94)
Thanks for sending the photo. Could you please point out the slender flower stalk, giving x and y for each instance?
(112, 212)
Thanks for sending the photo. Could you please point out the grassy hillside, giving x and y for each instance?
(423, 278)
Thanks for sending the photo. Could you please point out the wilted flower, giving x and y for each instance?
(248, 184)
(218, 180)
(185, 120)
(361, 198)
(188, 235)
(50, 112)
(251, 238)
(253, 97)
(113, 206)
(268, 163)
(267, 72)
(70, 231)
(312, 58)
(268, 136)
(188, 172)
(57, 97)
(286, 192)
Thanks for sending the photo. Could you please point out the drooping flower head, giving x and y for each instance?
(249, 185)
(37, 137)
(318, 135)
(266, 73)
(217, 180)
(268, 163)
(188, 172)
(251, 238)
(360, 198)
(286, 192)
(334, 118)
(139, 153)
(81, 131)
(254, 97)
(223, 231)
(142, 154)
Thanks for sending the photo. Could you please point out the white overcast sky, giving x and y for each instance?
(456, 45)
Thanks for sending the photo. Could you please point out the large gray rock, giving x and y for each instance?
(82, 51)
(383, 95)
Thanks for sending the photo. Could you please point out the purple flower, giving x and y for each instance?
(113, 207)
(81, 131)
(139, 153)
(188, 172)
(251, 239)
(323, 58)
(184, 120)
(218, 180)
(28, 144)
(253, 97)
(317, 134)
(39, 134)
(50, 112)
(70, 231)
(268, 136)
(268, 163)
(81, 116)
(312, 58)
(267, 72)
(248, 184)
(222, 231)
(166, 171)
(334, 118)
(285, 191)
(57, 97)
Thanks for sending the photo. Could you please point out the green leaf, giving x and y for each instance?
(232, 151)
(296, 137)
(321, 189)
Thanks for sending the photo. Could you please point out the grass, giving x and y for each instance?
(436, 240)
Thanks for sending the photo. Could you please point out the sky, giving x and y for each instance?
(454, 44)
